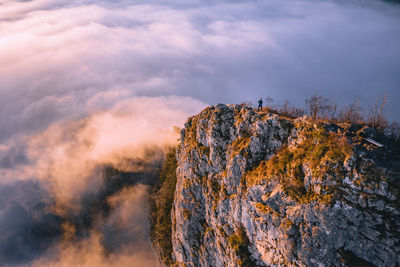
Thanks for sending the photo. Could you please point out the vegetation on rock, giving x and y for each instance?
(288, 182)
(320, 152)
(161, 201)
(239, 242)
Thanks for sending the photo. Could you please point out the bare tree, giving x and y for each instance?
(393, 131)
(247, 104)
(332, 110)
(286, 109)
(319, 107)
(269, 101)
(351, 113)
(376, 116)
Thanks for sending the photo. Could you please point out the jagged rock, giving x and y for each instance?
(257, 189)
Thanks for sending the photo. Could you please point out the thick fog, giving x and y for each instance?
(89, 85)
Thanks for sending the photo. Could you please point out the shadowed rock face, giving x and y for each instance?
(254, 188)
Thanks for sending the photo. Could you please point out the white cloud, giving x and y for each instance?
(217, 52)
(83, 82)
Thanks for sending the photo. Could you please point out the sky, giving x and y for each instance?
(89, 83)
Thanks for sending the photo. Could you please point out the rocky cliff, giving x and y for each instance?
(257, 189)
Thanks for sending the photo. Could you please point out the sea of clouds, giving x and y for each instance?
(89, 83)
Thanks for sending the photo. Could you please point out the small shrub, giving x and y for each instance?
(319, 107)
(376, 117)
(289, 111)
(351, 113)
(239, 242)
(215, 189)
(287, 223)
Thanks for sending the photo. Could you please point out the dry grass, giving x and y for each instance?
(240, 146)
(321, 151)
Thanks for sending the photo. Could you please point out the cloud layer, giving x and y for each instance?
(57, 55)
(91, 83)
(80, 196)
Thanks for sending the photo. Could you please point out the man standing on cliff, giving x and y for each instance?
(260, 104)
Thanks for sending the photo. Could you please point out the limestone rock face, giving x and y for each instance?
(257, 189)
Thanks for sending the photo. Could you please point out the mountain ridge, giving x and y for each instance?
(259, 189)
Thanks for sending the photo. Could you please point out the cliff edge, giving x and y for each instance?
(257, 189)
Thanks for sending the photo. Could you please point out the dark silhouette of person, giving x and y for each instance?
(260, 104)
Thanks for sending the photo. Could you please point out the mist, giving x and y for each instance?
(80, 195)
(91, 90)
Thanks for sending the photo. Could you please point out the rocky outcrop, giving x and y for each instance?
(257, 189)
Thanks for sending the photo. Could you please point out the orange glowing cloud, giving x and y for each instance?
(66, 154)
